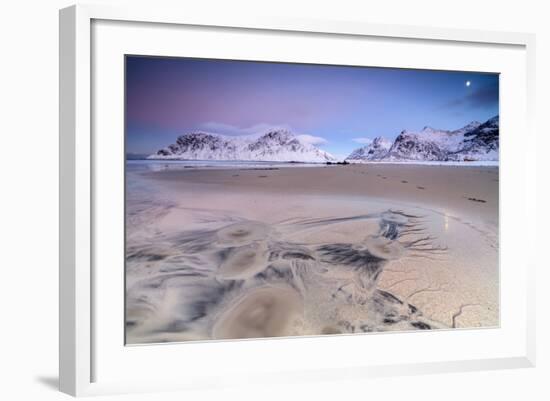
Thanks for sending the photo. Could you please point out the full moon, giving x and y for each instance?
(468, 83)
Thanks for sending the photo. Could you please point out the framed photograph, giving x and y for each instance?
(277, 200)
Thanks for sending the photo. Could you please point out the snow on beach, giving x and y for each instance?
(476, 163)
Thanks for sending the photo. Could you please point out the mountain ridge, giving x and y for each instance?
(474, 142)
(275, 145)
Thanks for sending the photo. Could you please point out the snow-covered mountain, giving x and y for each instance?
(474, 142)
(275, 145)
(480, 143)
(376, 150)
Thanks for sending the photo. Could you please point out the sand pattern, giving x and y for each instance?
(211, 273)
(246, 279)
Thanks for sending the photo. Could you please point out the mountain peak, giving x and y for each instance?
(467, 128)
(281, 135)
(473, 124)
(376, 150)
(494, 120)
(380, 140)
(278, 132)
(196, 134)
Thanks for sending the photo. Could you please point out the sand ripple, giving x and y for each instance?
(244, 262)
(264, 312)
(384, 248)
(248, 279)
(242, 233)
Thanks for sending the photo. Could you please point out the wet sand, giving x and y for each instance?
(259, 252)
(443, 187)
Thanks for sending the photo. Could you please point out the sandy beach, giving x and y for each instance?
(246, 252)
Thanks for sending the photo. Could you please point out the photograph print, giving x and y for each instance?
(269, 199)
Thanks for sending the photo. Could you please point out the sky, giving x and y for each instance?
(337, 108)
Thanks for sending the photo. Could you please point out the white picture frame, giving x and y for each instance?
(78, 370)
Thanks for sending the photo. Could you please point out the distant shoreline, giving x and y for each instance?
(229, 163)
(476, 163)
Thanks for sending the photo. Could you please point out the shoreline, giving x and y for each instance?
(479, 163)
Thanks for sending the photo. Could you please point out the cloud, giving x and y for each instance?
(231, 130)
(364, 141)
(312, 140)
(220, 128)
(259, 129)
